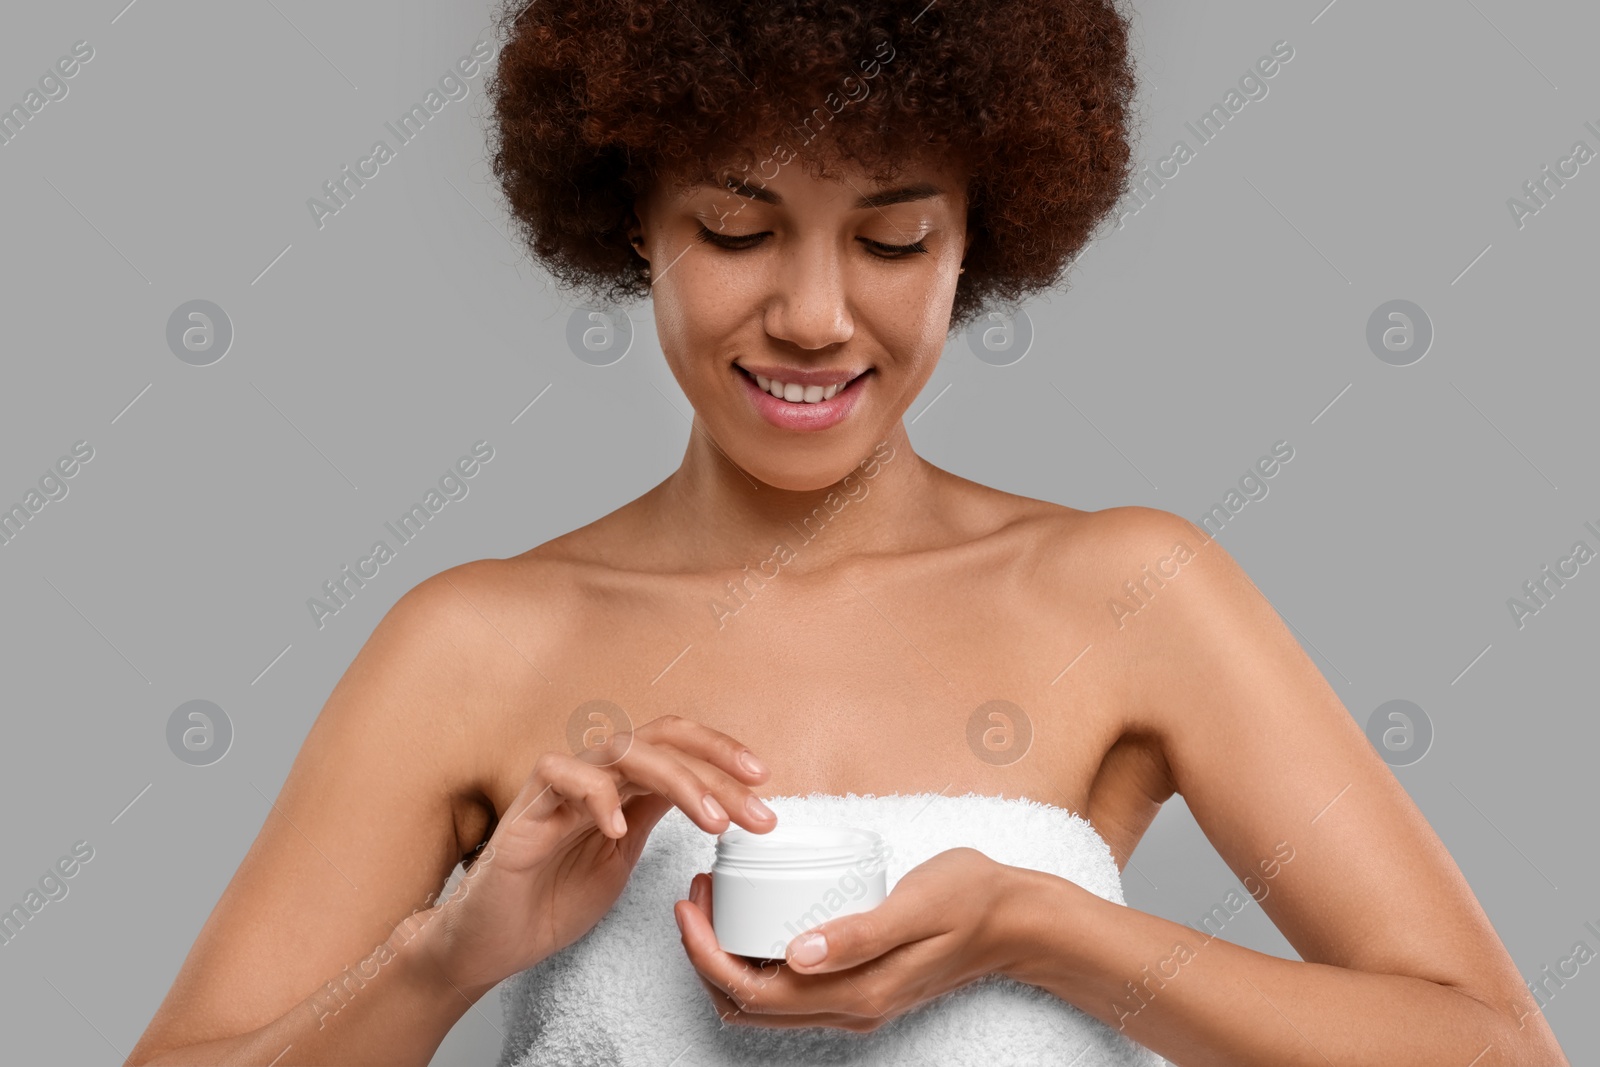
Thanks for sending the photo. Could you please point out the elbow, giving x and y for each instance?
(1538, 1050)
(1521, 1036)
(145, 1054)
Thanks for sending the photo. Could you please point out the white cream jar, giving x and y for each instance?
(767, 889)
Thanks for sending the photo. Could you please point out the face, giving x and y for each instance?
(838, 289)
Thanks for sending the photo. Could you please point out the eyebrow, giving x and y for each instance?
(882, 198)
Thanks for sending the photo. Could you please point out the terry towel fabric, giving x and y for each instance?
(625, 993)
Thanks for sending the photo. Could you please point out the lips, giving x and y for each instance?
(798, 376)
(793, 392)
(799, 415)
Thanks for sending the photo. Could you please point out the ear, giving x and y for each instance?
(635, 231)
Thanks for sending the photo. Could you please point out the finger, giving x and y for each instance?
(733, 796)
(641, 814)
(722, 764)
(852, 940)
(730, 1012)
(557, 779)
(662, 768)
(736, 798)
(700, 890)
(713, 746)
(728, 973)
(764, 995)
(700, 893)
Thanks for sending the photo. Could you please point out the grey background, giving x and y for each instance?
(1226, 315)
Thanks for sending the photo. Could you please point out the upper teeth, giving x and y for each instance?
(799, 394)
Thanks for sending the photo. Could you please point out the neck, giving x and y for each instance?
(721, 515)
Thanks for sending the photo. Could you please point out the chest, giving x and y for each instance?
(865, 681)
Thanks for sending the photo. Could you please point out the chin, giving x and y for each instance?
(804, 474)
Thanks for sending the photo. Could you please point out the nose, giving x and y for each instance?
(809, 307)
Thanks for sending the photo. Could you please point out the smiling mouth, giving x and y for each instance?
(799, 395)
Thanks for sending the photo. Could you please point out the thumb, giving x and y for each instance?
(852, 940)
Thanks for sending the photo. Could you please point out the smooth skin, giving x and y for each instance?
(853, 669)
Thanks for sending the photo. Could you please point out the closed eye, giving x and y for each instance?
(750, 240)
(895, 251)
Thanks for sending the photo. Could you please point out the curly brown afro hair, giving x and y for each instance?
(595, 100)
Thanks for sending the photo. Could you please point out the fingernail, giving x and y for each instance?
(713, 809)
(751, 764)
(697, 892)
(677, 919)
(809, 949)
(757, 809)
(618, 823)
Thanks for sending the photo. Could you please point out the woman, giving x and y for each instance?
(806, 612)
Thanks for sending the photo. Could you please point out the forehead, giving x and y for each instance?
(865, 185)
(901, 192)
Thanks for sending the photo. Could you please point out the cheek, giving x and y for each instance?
(683, 302)
(696, 313)
(910, 316)
(673, 320)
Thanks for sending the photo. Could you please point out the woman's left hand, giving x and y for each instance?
(938, 929)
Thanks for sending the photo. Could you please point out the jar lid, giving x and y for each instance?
(789, 846)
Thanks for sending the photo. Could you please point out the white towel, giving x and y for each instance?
(626, 994)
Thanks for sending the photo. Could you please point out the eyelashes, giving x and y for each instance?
(750, 240)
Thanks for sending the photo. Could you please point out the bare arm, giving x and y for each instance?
(1201, 1001)
(301, 960)
(392, 1007)
(1399, 962)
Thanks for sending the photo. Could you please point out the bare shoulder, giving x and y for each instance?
(1097, 552)
(1086, 560)
(1150, 591)
(1160, 587)
(1171, 578)
(382, 801)
(485, 623)
(1121, 535)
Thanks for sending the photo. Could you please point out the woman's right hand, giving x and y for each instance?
(560, 855)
